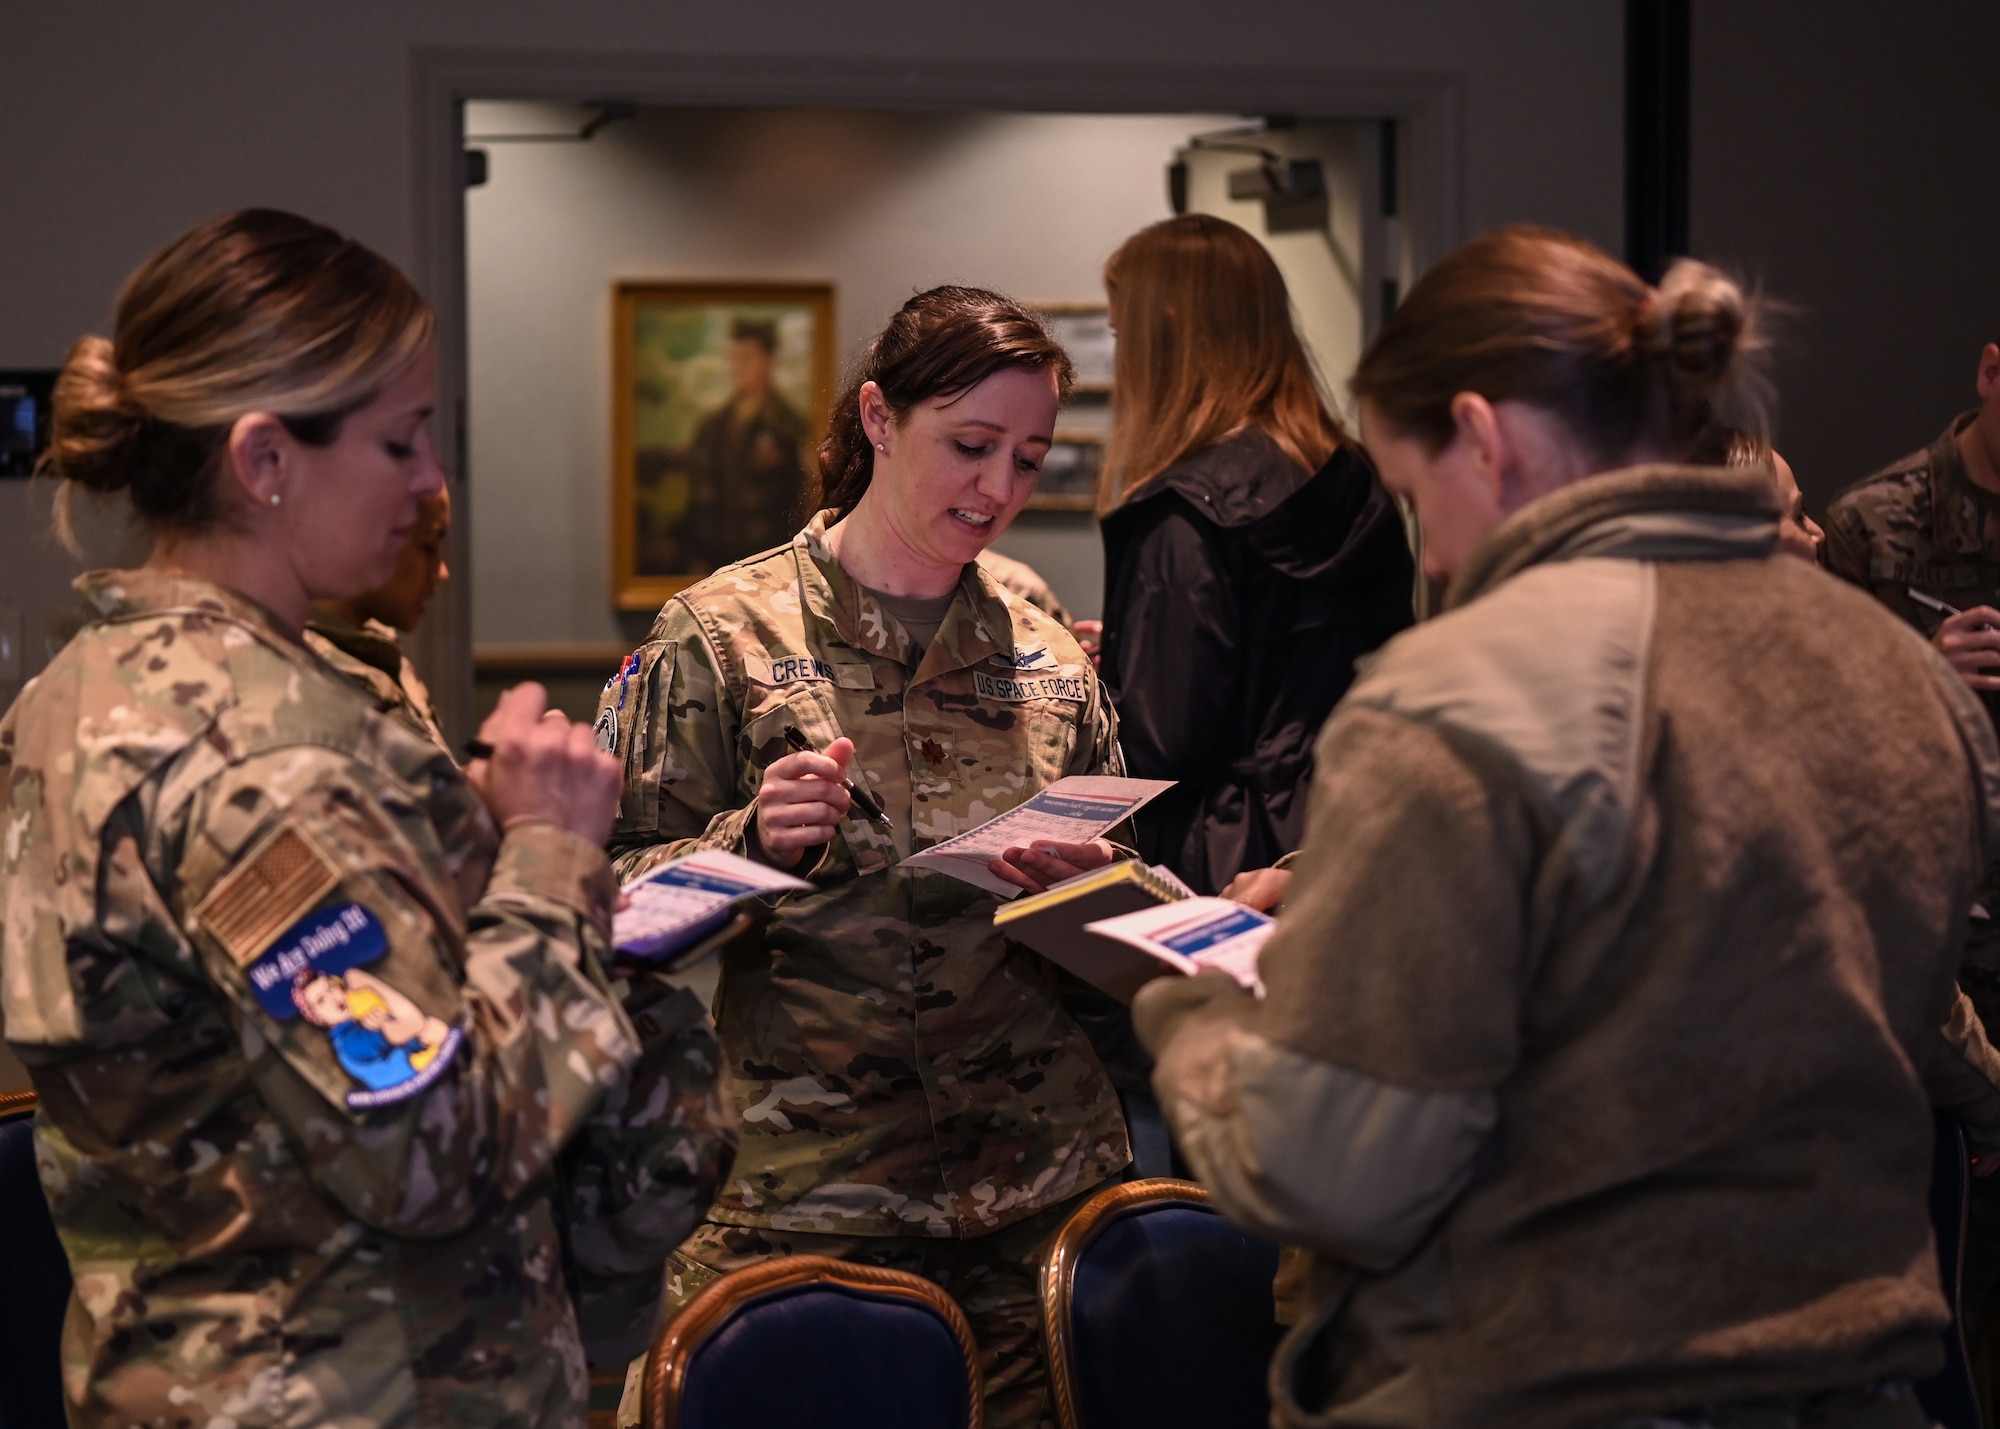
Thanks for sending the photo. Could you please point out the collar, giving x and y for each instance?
(976, 625)
(115, 596)
(1236, 481)
(371, 642)
(1643, 513)
(1958, 508)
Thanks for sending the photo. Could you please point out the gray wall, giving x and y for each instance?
(1845, 156)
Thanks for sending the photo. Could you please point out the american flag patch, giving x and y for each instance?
(268, 892)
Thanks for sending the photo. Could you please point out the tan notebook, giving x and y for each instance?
(1052, 923)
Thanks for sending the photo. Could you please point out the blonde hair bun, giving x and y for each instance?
(95, 426)
(253, 311)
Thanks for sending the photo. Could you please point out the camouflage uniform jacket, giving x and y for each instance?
(370, 655)
(308, 1034)
(900, 1068)
(1921, 524)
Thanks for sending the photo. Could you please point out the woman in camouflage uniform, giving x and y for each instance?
(309, 1012)
(911, 1092)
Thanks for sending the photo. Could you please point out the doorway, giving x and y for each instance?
(1013, 190)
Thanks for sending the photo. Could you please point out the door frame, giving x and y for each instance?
(1427, 107)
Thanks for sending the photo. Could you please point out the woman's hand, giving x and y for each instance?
(1970, 640)
(1259, 888)
(800, 802)
(1090, 635)
(545, 768)
(1037, 867)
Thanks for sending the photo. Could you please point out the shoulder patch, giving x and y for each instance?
(380, 1037)
(265, 894)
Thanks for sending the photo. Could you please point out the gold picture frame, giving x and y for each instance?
(711, 439)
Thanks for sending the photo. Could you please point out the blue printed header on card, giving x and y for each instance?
(331, 940)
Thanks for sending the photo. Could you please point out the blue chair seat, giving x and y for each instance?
(809, 1340)
(1160, 1313)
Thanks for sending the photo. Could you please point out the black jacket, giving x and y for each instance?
(1239, 588)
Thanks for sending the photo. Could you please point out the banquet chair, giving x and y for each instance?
(804, 1339)
(1158, 1312)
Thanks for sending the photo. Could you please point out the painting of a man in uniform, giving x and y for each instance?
(721, 404)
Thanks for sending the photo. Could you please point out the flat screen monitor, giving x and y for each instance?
(24, 419)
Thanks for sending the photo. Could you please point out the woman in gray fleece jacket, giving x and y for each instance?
(1603, 1017)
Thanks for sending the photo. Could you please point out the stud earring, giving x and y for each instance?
(882, 447)
(276, 498)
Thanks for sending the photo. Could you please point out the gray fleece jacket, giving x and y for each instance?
(1612, 973)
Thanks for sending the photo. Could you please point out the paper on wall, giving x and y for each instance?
(676, 904)
(1197, 933)
(1073, 810)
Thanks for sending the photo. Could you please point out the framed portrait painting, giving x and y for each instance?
(720, 396)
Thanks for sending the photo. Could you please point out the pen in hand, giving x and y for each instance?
(1941, 607)
(863, 800)
(1922, 598)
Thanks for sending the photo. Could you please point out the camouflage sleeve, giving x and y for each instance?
(429, 1062)
(1097, 750)
(1845, 549)
(677, 739)
(645, 1167)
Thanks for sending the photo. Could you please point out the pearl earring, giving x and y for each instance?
(275, 498)
(882, 447)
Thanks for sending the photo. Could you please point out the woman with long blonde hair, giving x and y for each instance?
(1250, 552)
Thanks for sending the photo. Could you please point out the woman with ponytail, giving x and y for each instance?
(912, 1092)
(313, 1017)
(1599, 1023)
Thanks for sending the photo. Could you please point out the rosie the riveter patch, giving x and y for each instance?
(314, 970)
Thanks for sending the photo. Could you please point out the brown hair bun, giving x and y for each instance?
(94, 425)
(1538, 316)
(253, 311)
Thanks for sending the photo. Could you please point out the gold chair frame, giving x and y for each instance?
(1066, 1252)
(14, 1103)
(673, 1351)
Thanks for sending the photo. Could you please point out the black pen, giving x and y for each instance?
(863, 800)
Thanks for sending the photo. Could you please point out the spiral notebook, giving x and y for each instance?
(1052, 923)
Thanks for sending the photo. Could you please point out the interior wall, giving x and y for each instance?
(879, 204)
(133, 122)
(1848, 164)
(1322, 268)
